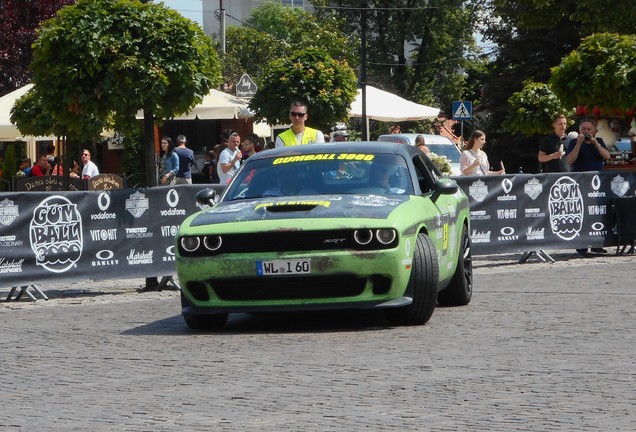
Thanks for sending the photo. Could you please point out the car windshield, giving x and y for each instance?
(449, 151)
(317, 174)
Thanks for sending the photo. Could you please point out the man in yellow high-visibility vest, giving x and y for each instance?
(299, 133)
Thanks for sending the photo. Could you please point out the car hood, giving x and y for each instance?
(299, 207)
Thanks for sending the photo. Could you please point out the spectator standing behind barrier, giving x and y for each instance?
(250, 145)
(50, 154)
(341, 136)
(420, 143)
(25, 168)
(587, 153)
(58, 170)
(90, 169)
(42, 168)
(186, 159)
(168, 162)
(299, 134)
(214, 162)
(552, 148)
(229, 159)
(474, 160)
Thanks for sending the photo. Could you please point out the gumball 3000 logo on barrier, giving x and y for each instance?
(566, 208)
(56, 234)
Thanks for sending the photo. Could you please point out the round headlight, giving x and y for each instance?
(190, 244)
(363, 237)
(385, 236)
(212, 242)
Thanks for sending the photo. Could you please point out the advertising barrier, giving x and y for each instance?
(127, 233)
(67, 236)
(527, 212)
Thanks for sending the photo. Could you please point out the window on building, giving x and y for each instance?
(297, 3)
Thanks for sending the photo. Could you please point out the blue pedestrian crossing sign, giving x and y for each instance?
(462, 110)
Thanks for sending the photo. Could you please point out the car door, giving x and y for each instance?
(445, 233)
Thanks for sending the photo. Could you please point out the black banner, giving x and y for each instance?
(525, 212)
(66, 236)
(125, 233)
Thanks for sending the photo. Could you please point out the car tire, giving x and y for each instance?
(460, 290)
(422, 284)
(202, 322)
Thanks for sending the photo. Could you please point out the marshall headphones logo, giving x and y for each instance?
(56, 234)
(566, 208)
(137, 204)
(535, 234)
(619, 186)
(478, 190)
(8, 212)
(533, 188)
(480, 237)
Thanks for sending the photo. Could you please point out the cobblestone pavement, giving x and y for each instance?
(541, 347)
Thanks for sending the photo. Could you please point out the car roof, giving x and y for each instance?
(373, 147)
(410, 138)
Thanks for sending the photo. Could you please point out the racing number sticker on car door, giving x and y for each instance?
(446, 230)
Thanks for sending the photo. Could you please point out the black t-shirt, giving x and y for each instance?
(549, 145)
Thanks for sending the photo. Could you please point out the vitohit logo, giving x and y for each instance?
(56, 234)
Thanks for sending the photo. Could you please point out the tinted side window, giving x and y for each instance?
(426, 177)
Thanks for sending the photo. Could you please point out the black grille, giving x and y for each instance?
(288, 241)
(289, 288)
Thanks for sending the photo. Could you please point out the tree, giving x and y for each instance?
(533, 110)
(327, 85)
(19, 20)
(274, 31)
(600, 72)
(9, 166)
(529, 38)
(98, 62)
(416, 49)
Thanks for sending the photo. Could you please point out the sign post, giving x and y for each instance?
(462, 110)
(246, 87)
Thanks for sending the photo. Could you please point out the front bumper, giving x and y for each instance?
(338, 279)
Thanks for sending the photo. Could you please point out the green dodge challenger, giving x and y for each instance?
(323, 226)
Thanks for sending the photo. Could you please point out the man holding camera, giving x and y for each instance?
(587, 153)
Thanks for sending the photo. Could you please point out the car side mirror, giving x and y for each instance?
(444, 186)
(206, 197)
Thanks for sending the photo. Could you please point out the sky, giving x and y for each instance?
(192, 9)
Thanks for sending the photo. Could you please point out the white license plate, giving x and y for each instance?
(283, 267)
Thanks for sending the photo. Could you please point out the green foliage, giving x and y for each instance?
(10, 166)
(328, 86)
(418, 50)
(600, 72)
(274, 31)
(616, 16)
(98, 62)
(532, 110)
(133, 157)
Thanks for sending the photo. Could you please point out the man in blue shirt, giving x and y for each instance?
(587, 153)
(186, 159)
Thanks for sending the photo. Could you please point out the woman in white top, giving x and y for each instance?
(474, 160)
